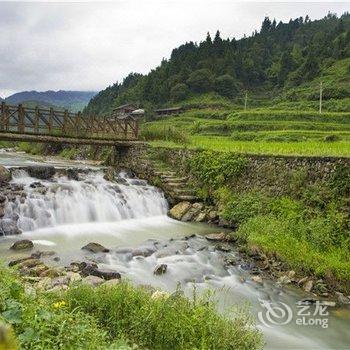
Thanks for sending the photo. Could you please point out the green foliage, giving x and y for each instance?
(238, 209)
(166, 133)
(31, 147)
(308, 229)
(120, 317)
(225, 85)
(201, 80)
(179, 92)
(164, 323)
(215, 169)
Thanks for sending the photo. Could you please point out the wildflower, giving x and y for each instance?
(59, 304)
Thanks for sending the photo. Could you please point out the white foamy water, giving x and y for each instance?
(91, 200)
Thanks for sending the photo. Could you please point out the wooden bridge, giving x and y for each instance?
(19, 123)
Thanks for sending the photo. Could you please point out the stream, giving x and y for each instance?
(129, 217)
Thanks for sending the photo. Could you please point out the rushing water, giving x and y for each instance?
(129, 217)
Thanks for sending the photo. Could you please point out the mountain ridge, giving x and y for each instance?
(70, 99)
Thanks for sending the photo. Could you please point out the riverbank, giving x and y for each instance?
(289, 212)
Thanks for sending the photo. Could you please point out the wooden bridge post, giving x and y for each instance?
(50, 120)
(36, 120)
(21, 115)
(78, 123)
(65, 121)
(3, 111)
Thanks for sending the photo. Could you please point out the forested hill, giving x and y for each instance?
(279, 57)
(72, 100)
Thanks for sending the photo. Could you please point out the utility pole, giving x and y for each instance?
(321, 91)
(245, 100)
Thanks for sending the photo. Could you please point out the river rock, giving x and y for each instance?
(284, 280)
(95, 248)
(93, 281)
(192, 212)
(223, 247)
(143, 251)
(109, 174)
(112, 283)
(179, 210)
(19, 260)
(106, 274)
(60, 281)
(73, 174)
(201, 216)
(51, 272)
(308, 285)
(44, 283)
(73, 277)
(43, 172)
(257, 279)
(342, 298)
(160, 269)
(9, 227)
(22, 244)
(5, 175)
(218, 237)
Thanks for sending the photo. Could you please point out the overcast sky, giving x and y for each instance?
(90, 45)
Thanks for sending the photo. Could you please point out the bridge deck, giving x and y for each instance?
(19, 123)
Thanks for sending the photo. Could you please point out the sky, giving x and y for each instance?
(90, 45)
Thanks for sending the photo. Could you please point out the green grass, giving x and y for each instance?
(119, 317)
(307, 148)
(288, 240)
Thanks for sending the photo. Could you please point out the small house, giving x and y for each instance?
(168, 111)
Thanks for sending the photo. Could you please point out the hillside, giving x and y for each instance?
(282, 59)
(72, 100)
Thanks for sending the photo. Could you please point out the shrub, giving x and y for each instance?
(239, 208)
(201, 80)
(216, 168)
(179, 92)
(331, 138)
(226, 86)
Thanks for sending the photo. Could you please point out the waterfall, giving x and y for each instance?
(64, 201)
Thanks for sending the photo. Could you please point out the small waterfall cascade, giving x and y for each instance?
(64, 201)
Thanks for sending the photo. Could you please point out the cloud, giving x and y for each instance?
(89, 45)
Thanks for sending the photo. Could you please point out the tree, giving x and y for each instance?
(179, 92)
(201, 80)
(226, 86)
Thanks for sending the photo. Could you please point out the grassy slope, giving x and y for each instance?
(116, 318)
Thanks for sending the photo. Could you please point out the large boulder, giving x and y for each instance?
(95, 248)
(22, 244)
(5, 175)
(179, 210)
(106, 274)
(43, 172)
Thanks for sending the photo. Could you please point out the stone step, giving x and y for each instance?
(175, 184)
(183, 198)
(164, 173)
(175, 179)
(184, 191)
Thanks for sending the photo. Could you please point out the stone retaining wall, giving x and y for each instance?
(274, 174)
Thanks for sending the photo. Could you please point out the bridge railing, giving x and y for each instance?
(41, 121)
